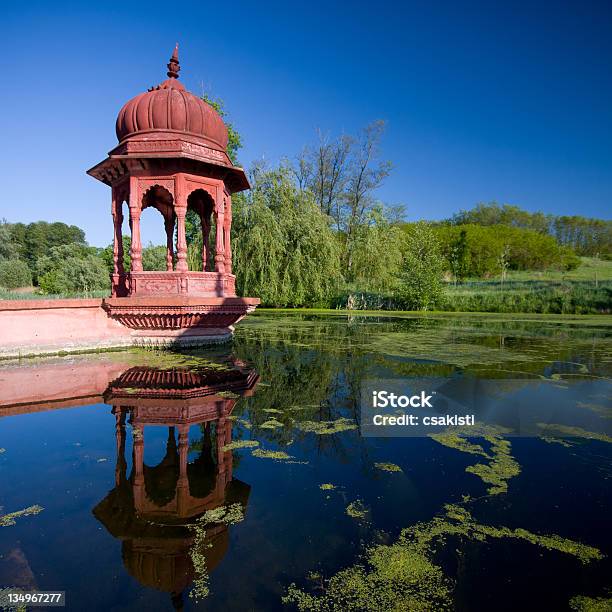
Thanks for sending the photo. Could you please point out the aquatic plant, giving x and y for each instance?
(326, 427)
(501, 466)
(388, 467)
(268, 454)
(228, 515)
(236, 444)
(356, 509)
(327, 486)
(575, 432)
(403, 575)
(9, 519)
(271, 424)
(582, 603)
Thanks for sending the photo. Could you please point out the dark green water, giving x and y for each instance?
(495, 522)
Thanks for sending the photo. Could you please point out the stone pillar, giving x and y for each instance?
(169, 226)
(135, 212)
(219, 245)
(227, 242)
(117, 212)
(205, 241)
(181, 242)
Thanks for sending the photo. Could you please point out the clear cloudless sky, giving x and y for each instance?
(483, 100)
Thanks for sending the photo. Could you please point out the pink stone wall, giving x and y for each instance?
(48, 326)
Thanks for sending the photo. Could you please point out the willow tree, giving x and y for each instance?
(284, 250)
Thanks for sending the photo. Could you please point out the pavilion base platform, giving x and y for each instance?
(39, 327)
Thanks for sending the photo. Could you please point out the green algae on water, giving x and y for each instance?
(236, 444)
(228, 515)
(327, 486)
(582, 603)
(388, 467)
(7, 520)
(271, 424)
(575, 432)
(501, 465)
(326, 427)
(357, 509)
(268, 454)
(404, 576)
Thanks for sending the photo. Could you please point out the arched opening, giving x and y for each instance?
(159, 257)
(200, 245)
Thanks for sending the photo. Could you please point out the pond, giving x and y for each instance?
(239, 477)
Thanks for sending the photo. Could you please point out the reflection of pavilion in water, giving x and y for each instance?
(151, 510)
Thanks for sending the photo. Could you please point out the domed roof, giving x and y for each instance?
(169, 107)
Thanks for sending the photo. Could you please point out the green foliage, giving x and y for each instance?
(35, 239)
(106, 254)
(14, 273)
(484, 251)
(234, 140)
(8, 249)
(154, 257)
(283, 248)
(583, 235)
(376, 253)
(71, 267)
(420, 287)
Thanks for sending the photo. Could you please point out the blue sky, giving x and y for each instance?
(483, 101)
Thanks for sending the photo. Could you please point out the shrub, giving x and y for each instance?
(14, 273)
(75, 274)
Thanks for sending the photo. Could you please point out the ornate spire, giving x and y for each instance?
(173, 65)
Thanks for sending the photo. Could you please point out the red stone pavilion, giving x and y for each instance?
(172, 157)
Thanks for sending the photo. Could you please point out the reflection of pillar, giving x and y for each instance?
(138, 463)
(181, 241)
(228, 226)
(219, 245)
(169, 226)
(228, 459)
(120, 464)
(135, 211)
(183, 482)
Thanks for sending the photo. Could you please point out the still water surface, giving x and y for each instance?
(194, 481)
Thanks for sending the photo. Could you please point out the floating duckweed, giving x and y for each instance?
(582, 603)
(229, 515)
(357, 510)
(327, 486)
(271, 424)
(9, 519)
(501, 466)
(227, 394)
(553, 440)
(268, 454)
(388, 467)
(272, 411)
(240, 444)
(403, 576)
(575, 432)
(326, 427)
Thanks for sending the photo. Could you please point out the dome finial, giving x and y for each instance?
(173, 65)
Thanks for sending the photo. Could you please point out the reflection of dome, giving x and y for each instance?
(170, 108)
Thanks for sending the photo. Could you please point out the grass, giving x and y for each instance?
(32, 295)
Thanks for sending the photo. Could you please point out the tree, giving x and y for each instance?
(377, 253)
(283, 248)
(366, 174)
(72, 268)
(8, 249)
(154, 257)
(420, 287)
(14, 274)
